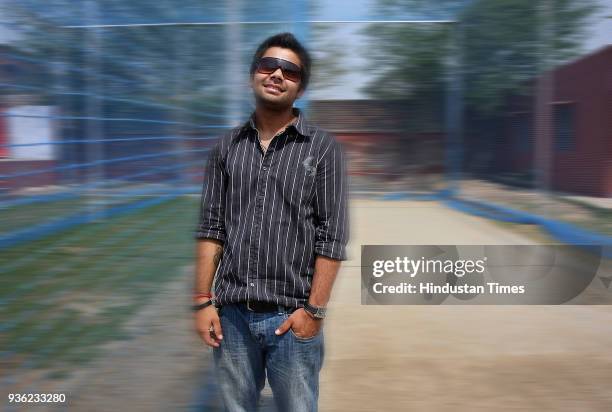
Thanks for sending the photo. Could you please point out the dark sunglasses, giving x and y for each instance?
(291, 71)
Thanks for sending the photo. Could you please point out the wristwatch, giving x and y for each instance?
(316, 311)
(206, 304)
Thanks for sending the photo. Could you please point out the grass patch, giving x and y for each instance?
(69, 293)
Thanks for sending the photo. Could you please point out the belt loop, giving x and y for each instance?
(280, 309)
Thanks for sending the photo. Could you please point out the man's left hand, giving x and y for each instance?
(303, 325)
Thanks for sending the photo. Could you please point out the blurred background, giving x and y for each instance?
(474, 122)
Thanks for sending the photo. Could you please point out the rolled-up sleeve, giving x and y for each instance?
(331, 202)
(211, 223)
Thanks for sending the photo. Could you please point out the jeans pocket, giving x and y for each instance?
(301, 339)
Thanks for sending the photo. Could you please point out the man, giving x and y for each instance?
(272, 233)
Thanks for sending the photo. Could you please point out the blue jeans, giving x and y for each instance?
(250, 348)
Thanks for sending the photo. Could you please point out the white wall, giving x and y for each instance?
(30, 124)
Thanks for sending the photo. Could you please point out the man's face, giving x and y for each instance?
(274, 90)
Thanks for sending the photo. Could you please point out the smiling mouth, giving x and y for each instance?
(273, 88)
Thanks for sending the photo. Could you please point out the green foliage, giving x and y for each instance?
(328, 56)
(407, 60)
(176, 65)
(503, 44)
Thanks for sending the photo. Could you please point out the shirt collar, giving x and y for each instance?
(300, 124)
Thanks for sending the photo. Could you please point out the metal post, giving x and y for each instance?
(233, 62)
(454, 110)
(301, 29)
(94, 151)
(543, 100)
(181, 42)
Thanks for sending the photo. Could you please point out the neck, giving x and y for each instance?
(270, 121)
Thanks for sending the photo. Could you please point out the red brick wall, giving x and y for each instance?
(4, 151)
(8, 167)
(584, 169)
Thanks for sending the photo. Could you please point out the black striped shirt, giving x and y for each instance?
(274, 211)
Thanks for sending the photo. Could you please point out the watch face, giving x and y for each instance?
(318, 313)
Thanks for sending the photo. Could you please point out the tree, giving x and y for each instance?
(501, 43)
(172, 65)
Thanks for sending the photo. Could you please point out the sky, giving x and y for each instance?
(601, 28)
(347, 86)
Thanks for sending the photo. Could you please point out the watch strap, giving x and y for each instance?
(206, 304)
(315, 311)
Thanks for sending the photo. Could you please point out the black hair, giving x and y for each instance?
(286, 41)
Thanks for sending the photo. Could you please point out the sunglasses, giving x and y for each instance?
(268, 65)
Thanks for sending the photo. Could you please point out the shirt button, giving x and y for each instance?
(252, 284)
(265, 168)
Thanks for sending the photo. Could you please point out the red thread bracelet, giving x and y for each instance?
(202, 295)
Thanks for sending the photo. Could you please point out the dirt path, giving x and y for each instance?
(472, 358)
(380, 358)
(159, 369)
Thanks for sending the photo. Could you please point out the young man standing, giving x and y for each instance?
(272, 233)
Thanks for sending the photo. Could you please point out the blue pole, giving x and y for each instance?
(301, 30)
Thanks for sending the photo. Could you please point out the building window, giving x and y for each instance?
(522, 131)
(565, 126)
